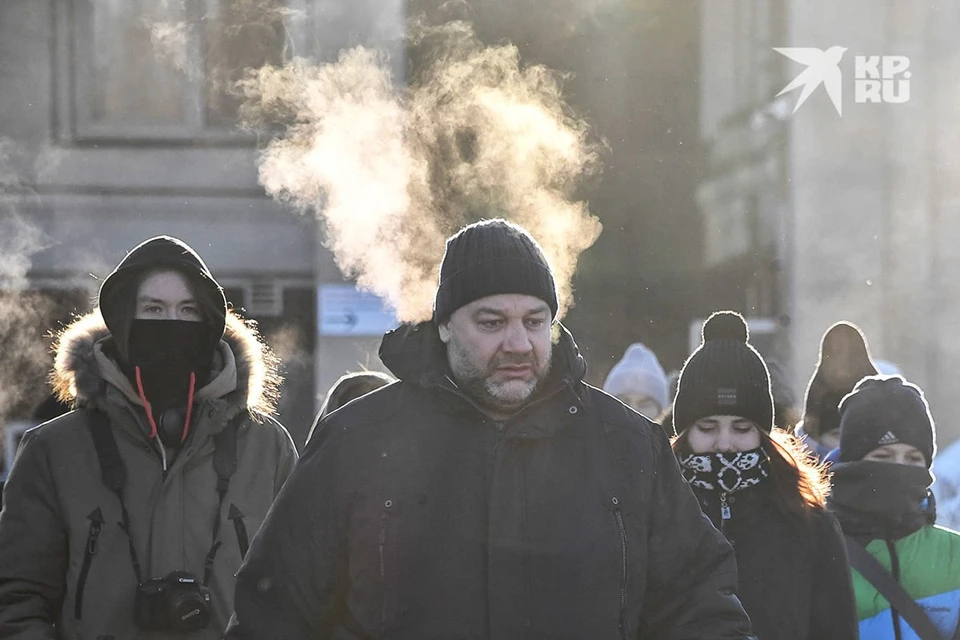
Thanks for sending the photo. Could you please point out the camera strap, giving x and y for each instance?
(114, 477)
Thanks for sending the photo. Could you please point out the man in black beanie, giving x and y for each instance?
(490, 493)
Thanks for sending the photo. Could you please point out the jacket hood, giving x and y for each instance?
(843, 361)
(414, 352)
(246, 371)
(161, 252)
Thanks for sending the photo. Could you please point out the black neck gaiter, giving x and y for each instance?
(881, 499)
(725, 472)
(167, 351)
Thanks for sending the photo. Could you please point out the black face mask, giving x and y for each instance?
(881, 499)
(166, 352)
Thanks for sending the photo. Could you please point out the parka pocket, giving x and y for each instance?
(91, 548)
(239, 528)
(387, 550)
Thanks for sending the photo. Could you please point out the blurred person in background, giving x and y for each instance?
(785, 415)
(129, 516)
(760, 489)
(490, 493)
(639, 381)
(844, 359)
(881, 495)
(348, 388)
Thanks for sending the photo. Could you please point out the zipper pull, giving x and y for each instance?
(96, 524)
(724, 507)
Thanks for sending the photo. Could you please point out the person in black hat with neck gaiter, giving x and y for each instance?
(757, 486)
(882, 497)
(129, 516)
(490, 493)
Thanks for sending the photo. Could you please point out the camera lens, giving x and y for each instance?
(188, 610)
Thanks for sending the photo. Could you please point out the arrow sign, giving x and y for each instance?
(345, 311)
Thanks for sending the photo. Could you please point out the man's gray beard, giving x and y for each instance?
(505, 397)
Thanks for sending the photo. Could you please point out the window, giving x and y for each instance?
(160, 69)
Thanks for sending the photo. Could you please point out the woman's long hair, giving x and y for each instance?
(800, 483)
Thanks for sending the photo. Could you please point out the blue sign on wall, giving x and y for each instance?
(343, 310)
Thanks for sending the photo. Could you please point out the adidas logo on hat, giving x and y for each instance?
(888, 438)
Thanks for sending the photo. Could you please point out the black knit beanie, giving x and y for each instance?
(489, 258)
(844, 359)
(724, 376)
(885, 410)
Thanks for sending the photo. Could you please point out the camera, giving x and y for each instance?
(177, 602)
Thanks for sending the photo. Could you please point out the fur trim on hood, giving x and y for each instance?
(77, 378)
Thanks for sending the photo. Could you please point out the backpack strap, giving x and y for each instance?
(114, 477)
(225, 454)
(225, 464)
(889, 588)
(113, 473)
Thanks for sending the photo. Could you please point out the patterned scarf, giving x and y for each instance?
(726, 472)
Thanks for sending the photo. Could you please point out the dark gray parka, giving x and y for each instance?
(415, 516)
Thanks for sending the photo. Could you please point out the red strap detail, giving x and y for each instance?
(146, 405)
(186, 425)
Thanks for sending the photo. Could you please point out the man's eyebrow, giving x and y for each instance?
(498, 312)
(488, 311)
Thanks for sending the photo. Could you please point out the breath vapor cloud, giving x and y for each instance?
(392, 171)
(23, 313)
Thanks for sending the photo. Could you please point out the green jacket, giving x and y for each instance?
(65, 565)
(926, 563)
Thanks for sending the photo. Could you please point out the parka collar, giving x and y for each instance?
(415, 353)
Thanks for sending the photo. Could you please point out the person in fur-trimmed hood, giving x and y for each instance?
(180, 391)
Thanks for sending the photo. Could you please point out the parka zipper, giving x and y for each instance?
(455, 391)
(90, 549)
(498, 443)
(623, 557)
(381, 552)
(724, 513)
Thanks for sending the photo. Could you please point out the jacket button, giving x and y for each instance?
(388, 504)
(573, 410)
(210, 413)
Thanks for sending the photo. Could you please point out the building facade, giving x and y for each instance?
(850, 216)
(118, 121)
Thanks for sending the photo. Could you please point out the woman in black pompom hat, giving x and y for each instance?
(759, 487)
